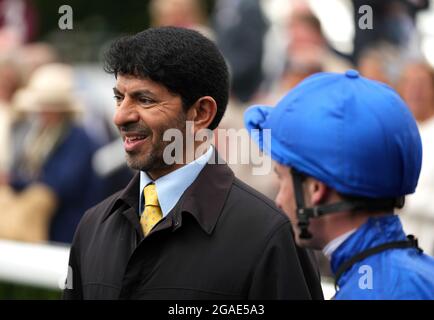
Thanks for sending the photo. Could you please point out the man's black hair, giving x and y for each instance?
(184, 61)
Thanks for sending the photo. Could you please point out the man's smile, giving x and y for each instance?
(134, 140)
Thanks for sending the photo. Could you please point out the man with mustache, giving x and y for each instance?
(181, 230)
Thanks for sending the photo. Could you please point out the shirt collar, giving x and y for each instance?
(170, 187)
(213, 184)
(335, 243)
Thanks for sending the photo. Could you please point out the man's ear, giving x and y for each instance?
(317, 191)
(202, 112)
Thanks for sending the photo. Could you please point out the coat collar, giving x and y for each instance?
(129, 195)
(204, 198)
(376, 231)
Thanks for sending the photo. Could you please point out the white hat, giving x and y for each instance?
(50, 88)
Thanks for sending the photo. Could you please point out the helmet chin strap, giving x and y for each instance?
(304, 214)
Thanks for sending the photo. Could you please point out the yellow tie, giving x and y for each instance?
(152, 212)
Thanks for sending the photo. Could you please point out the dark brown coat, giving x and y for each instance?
(223, 240)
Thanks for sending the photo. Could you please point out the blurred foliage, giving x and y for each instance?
(124, 16)
(9, 291)
(95, 23)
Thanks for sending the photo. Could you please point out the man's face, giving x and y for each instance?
(285, 200)
(417, 90)
(144, 110)
(51, 118)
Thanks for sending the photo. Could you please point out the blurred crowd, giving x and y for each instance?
(60, 153)
(51, 137)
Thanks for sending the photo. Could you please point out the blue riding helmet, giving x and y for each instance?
(354, 134)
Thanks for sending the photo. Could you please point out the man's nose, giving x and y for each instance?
(125, 113)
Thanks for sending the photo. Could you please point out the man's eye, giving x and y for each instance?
(147, 101)
(117, 98)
